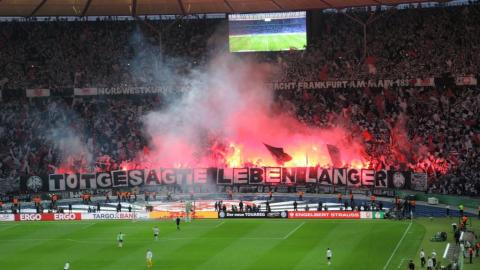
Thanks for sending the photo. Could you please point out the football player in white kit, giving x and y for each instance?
(149, 257)
(120, 239)
(67, 266)
(422, 258)
(156, 232)
(329, 256)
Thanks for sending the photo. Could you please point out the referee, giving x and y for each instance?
(177, 221)
(411, 265)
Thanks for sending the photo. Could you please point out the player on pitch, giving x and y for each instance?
(67, 266)
(156, 232)
(149, 257)
(429, 264)
(188, 211)
(120, 239)
(329, 256)
(177, 220)
(422, 258)
(411, 265)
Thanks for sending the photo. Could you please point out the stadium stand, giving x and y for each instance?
(60, 54)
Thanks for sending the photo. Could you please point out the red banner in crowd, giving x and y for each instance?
(325, 214)
(47, 217)
(40, 92)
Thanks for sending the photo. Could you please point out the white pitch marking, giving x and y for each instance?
(294, 230)
(88, 226)
(401, 262)
(446, 251)
(398, 245)
(219, 224)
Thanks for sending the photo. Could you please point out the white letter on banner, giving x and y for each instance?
(104, 180)
(339, 176)
(325, 177)
(72, 181)
(200, 176)
(368, 177)
(381, 179)
(87, 181)
(136, 177)
(352, 178)
(168, 176)
(119, 178)
(184, 176)
(288, 175)
(240, 175)
(273, 175)
(225, 176)
(56, 182)
(152, 177)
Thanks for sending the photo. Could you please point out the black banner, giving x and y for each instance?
(282, 214)
(8, 94)
(282, 176)
(342, 84)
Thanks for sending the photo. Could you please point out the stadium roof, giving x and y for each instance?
(29, 8)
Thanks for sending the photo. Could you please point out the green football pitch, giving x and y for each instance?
(267, 42)
(221, 244)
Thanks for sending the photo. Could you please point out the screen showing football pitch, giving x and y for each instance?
(258, 32)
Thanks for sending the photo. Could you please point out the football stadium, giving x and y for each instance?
(239, 134)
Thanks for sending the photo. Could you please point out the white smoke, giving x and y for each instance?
(216, 95)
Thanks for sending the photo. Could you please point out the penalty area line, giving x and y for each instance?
(293, 231)
(398, 245)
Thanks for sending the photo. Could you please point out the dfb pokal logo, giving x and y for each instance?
(34, 183)
(398, 180)
(222, 214)
(284, 214)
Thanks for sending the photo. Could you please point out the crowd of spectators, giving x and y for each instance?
(107, 53)
(399, 44)
(431, 129)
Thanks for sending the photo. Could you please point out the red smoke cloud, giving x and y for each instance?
(227, 116)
